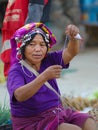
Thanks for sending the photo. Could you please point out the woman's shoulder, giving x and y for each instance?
(53, 53)
(53, 57)
(15, 70)
(15, 66)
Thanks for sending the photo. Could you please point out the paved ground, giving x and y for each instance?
(80, 79)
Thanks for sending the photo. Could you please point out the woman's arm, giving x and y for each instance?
(30, 89)
(73, 44)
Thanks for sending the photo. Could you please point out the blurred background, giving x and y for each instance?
(83, 13)
(81, 78)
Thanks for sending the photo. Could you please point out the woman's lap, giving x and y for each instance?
(50, 119)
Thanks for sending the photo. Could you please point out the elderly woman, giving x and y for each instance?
(34, 93)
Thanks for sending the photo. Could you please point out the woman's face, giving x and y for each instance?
(36, 50)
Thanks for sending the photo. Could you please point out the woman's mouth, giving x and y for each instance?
(37, 56)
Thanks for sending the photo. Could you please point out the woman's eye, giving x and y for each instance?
(43, 44)
(32, 44)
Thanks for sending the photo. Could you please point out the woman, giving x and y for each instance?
(34, 105)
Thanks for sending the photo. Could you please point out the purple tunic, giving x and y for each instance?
(44, 99)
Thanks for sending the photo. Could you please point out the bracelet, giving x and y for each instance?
(73, 39)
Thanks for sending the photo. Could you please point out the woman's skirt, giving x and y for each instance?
(50, 119)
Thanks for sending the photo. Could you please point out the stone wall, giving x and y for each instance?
(64, 12)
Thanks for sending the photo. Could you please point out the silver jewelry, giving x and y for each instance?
(31, 75)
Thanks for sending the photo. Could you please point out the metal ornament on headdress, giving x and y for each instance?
(23, 34)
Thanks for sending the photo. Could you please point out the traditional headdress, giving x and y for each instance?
(25, 33)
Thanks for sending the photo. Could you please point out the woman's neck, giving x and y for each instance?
(34, 66)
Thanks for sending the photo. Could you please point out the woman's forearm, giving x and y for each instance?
(27, 91)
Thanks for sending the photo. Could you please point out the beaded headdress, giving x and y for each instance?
(23, 34)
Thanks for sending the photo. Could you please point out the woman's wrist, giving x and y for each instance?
(72, 39)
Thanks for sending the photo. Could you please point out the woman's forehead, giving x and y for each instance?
(38, 37)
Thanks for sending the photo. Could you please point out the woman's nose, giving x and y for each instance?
(37, 47)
